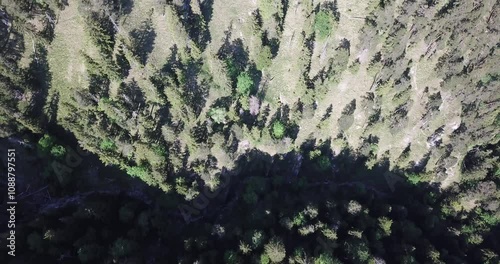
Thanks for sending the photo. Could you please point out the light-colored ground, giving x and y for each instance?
(66, 64)
(351, 85)
(284, 84)
(355, 85)
(233, 16)
(283, 80)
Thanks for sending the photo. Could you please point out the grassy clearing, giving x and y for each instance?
(285, 81)
(66, 64)
(231, 15)
(169, 32)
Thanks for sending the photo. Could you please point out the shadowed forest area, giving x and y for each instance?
(267, 210)
(266, 131)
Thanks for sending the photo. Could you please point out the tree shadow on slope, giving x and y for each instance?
(234, 55)
(143, 39)
(281, 207)
(185, 77)
(38, 77)
(195, 18)
(126, 6)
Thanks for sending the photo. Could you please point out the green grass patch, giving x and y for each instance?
(323, 24)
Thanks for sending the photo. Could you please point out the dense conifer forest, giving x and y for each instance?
(253, 131)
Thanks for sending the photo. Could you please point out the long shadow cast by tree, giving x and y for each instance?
(126, 6)
(273, 43)
(143, 39)
(196, 17)
(38, 77)
(235, 56)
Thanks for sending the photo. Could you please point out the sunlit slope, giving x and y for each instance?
(193, 86)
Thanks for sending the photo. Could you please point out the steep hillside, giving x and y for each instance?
(189, 86)
(178, 92)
